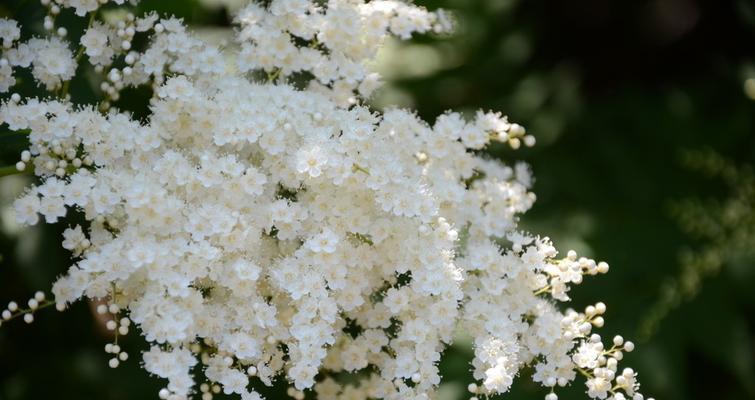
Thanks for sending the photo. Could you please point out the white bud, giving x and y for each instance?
(516, 129)
(602, 267)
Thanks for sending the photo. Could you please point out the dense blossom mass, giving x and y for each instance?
(263, 223)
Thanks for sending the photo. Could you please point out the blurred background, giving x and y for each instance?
(644, 111)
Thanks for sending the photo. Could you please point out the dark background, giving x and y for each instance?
(617, 93)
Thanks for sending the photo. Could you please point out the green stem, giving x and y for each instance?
(357, 167)
(272, 76)
(113, 300)
(23, 311)
(584, 373)
(544, 289)
(10, 170)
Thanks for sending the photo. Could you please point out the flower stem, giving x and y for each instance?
(23, 311)
(10, 170)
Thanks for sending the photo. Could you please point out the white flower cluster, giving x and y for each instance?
(51, 59)
(341, 38)
(253, 230)
(80, 7)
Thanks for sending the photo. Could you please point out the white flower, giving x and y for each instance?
(9, 32)
(253, 182)
(497, 379)
(97, 48)
(27, 209)
(52, 208)
(599, 386)
(72, 238)
(587, 355)
(52, 61)
(6, 77)
(173, 365)
(82, 7)
(246, 270)
(256, 219)
(311, 161)
(325, 241)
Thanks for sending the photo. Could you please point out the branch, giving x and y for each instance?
(12, 170)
